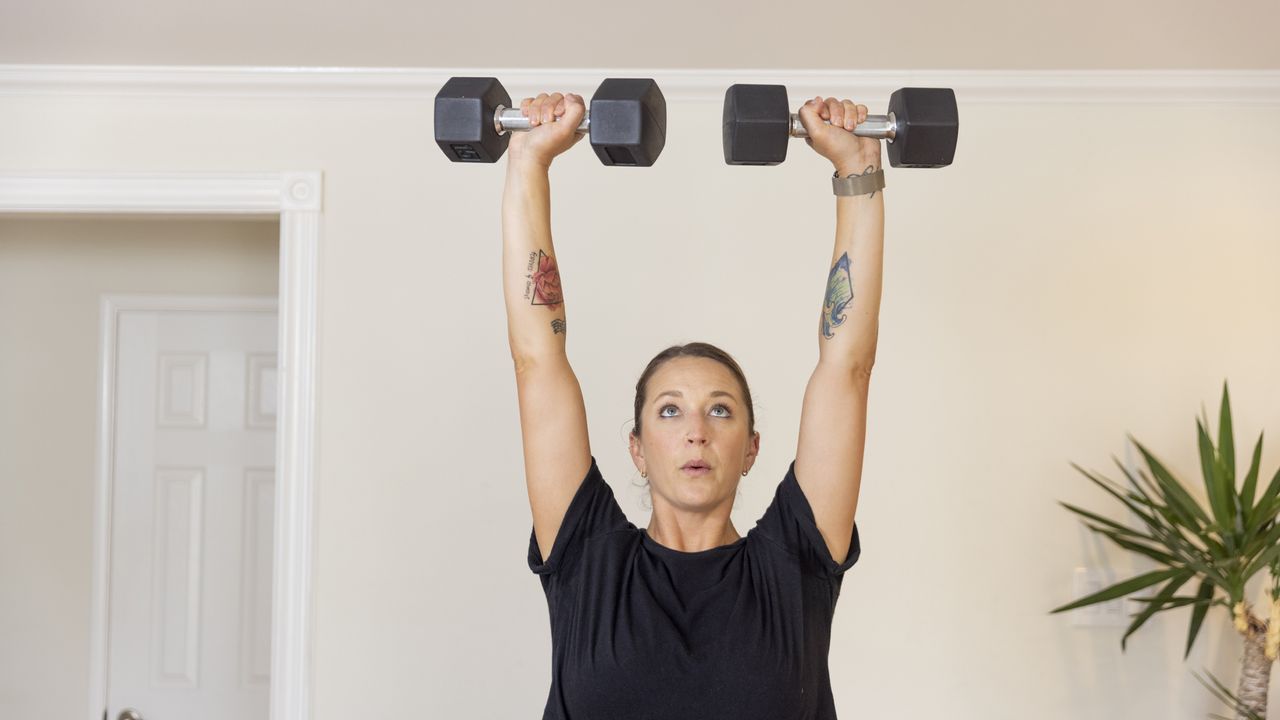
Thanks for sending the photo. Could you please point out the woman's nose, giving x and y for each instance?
(697, 432)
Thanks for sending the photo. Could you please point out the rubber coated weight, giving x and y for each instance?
(927, 125)
(464, 119)
(921, 127)
(627, 120)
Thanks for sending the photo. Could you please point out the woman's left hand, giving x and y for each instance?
(847, 152)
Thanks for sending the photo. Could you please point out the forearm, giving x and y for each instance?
(850, 321)
(530, 274)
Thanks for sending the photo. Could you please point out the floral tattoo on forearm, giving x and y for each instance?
(542, 284)
(839, 295)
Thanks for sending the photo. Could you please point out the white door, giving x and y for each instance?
(189, 632)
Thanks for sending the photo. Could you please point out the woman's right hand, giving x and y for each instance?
(554, 121)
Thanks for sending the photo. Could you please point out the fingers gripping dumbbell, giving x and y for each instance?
(627, 120)
(921, 126)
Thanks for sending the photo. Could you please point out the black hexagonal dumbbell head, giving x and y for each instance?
(927, 126)
(628, 119)
(755, 129)
(464, 119)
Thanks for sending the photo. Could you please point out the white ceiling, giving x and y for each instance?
(661, 34)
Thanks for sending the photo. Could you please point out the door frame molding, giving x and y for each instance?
(295, 198)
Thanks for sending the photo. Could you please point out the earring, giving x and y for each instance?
(642, 474)
(744, 473)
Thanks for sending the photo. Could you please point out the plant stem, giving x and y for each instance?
(1255, 670)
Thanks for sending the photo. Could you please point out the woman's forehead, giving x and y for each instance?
(691, 365)
(703, 379)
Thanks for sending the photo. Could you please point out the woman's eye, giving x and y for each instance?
(662, 411)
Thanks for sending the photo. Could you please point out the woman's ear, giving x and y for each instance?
(753, 450)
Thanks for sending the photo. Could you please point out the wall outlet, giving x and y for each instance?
(1111, 613)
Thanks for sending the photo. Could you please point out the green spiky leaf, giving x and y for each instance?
(1172, 488)
(1265, 509)
(1251, 482)
(1104, 521)
(1268, 556)
(1197, 615)
(1215, 487)
(1134, 506)
(1156, 554)
(1121, 589)
(1167, 592)
(1226, 439)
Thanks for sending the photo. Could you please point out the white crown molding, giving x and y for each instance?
(417, 84)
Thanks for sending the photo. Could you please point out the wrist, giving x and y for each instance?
(524, 164)
(861, 166)
(863, 184)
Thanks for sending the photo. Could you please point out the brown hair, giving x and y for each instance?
(694, 349)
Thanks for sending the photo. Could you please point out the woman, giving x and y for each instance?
(686, 618)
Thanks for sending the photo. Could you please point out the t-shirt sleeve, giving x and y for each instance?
(789, 522)
(593, 511)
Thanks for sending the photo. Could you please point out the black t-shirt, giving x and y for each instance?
(642, 631)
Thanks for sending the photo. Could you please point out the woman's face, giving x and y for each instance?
(694, 410)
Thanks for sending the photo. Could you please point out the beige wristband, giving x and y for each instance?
(857, 184)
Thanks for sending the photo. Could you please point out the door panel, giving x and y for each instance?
(191, 530)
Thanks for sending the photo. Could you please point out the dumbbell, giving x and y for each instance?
(921, 126)
(627, 120)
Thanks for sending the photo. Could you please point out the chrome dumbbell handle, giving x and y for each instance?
(506, 119)
(875, 126)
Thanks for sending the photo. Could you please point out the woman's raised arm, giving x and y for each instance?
(553, 418)
(833, 418)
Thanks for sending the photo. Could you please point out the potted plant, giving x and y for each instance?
(1222, 546)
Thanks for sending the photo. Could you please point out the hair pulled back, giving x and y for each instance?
(693, 349)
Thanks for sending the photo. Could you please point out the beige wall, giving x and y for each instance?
(926, 34)
(53, 272)
(1061, 284)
